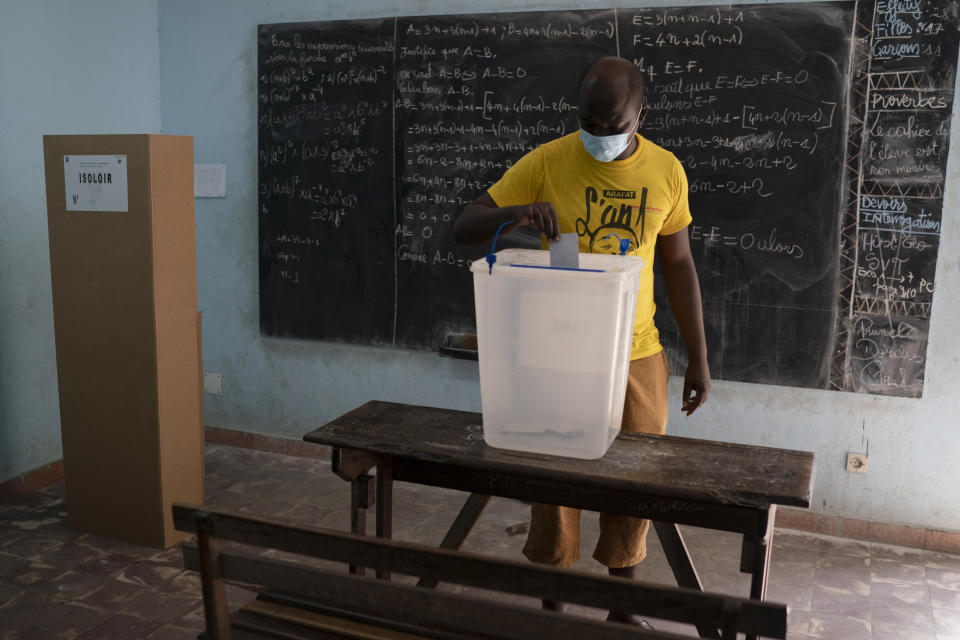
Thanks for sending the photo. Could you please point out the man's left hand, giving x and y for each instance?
(696, 386)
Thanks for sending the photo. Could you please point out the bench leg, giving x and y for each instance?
(215, 609)
(675, 550)
(460, 529)
(384, 504)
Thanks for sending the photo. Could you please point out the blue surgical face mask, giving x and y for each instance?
(607, 148)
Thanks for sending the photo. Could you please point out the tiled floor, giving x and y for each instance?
(58, 583)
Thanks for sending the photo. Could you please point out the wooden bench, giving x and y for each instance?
(303, 601)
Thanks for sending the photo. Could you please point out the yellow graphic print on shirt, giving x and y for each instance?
(613, 220)
(635, 199)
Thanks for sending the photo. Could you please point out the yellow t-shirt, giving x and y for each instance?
(637, 198)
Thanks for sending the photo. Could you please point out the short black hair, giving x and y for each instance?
(635, 81)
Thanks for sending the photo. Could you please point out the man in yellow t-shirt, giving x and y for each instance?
(607, 179)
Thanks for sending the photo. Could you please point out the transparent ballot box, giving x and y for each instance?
(554, 350)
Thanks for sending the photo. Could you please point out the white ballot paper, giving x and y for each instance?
(564, 252)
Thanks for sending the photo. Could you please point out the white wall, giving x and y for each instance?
(65, 67)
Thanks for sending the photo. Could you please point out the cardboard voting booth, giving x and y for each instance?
(123, 271)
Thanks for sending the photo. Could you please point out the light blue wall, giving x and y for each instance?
(287, 387)
(65, 67)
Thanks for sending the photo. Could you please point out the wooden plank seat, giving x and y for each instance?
(306, 601)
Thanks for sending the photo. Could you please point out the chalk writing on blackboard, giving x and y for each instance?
(814, 137)
(909, 86)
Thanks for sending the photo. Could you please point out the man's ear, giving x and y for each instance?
(644, 110)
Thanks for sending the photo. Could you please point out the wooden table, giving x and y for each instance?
(670, 480)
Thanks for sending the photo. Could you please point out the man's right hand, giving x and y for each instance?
(480, 219)
(542, 216)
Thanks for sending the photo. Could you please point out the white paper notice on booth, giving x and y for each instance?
(95, 183)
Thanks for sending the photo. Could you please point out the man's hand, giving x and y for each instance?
(696, 386)
(542, 216)
(479, 220)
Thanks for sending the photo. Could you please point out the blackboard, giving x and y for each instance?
(764, 159)
(325, 158)
(906, 79)
(809, 198)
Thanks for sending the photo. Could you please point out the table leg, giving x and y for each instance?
(759, 548)
(755, 558)
(460, 528)
(361, 497)
(730, 624)
(675, 550)
(755, 555)
(384, 504)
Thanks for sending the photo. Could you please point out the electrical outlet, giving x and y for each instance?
(212, 384)
(857, 462)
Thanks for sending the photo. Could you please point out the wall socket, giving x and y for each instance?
(857, 462)
(212, 384)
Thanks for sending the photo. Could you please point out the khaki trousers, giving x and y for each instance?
(554, 536)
